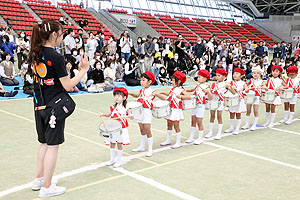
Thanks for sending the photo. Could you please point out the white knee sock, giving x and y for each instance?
(119, 156)
(200, 137)
(286, 115)
(112, 154)
(247, 118)
(169, 135)
(231, 124)
(255, 121)
(220, 127)
(192, 132)
(238, 125)
(150, 144)
(268, 117)
(291, 116)
(178, 137)
(211, 127)
(273, 115)
(143, 140)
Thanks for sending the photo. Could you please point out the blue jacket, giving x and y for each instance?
(260, 51)
(8, 47)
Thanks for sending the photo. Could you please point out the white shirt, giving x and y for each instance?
(69, 41)
(125, 48)
(109, 72)
(92, 44)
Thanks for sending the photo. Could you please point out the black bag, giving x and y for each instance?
(61, 106)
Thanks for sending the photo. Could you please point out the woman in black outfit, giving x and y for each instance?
(49, 69)
(130, 77)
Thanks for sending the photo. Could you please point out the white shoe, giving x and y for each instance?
(36, 185)
(117, 164)
(266, 124)
(197, 142)
(245, 127)
(270, 125)
(53, 190)
(288, 122)
(283, 121)
(253, 128)
(109, 163)
(149, 154)
(218, 137)
(176, 146)
(139, 149)
(235, 132)
(166, 143)
(228, 131)
(190, 140)
(208, 135)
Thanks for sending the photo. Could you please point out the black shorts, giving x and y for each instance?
(46, 134)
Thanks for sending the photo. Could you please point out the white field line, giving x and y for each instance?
(287, 131)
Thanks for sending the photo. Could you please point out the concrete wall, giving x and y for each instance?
(143, 29)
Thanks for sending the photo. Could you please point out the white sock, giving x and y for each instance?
(220, 127)
(238, 125)
(291, 116)
(247, 120)
(143, 140)
(286, 115)
(178, 137)
(255, 121)
(200, 135)
(232, 124)
(268, 117)
(119, 156)
(273, 115)
(112, 154)
(169, 135)
(150, 144)
(192, 131)
(40, 179)
(211, 127)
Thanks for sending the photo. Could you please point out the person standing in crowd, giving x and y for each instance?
(8, 47)
(69, 43)
(126, 44)
(180, 47)
(149, 48)
(199, 48)
(112, 46)
(22, 48)
(91, 45)
(100, 40)
(277, 51)
(45, 37)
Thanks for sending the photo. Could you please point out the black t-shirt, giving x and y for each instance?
(179, 50)
(49, 71)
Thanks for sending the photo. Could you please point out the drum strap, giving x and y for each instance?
(118, 114)
(291, 85)
(271, 85)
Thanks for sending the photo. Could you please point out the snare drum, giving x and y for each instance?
(249, 98)
(110, 129)
(161, 109)
(268, 96)
(136, 109)
(231, 101)
(287, 94)
(212, 104)
(189, 104)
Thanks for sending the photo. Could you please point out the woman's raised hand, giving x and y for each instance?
(84, 62)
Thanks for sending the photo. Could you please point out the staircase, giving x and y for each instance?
(32, 12)
(3, 22)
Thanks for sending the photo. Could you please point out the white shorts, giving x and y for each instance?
(220, 106)
(241, 108)
(292, 100)
(199, 111)
(256, 100)
(176, 115)
(147, 116)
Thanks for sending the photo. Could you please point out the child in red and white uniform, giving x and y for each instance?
(201, 92)
(289, 104)
(274, 83)
(235, 111)
(255, 86)
(175, 97)
(116, 111)
(146, 97)
(219, 89)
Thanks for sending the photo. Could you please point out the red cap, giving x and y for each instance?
(239, 70)
(292, 69)
(181, 76)
(277, 67)
(151, 76)
(204, 73)
(221, 71)
(121, 89)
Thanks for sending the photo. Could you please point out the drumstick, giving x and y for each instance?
(125, 85)
(103, 123)
(121, 117)
(196, 82)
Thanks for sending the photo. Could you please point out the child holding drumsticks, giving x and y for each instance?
(201, 90)
(118, 111)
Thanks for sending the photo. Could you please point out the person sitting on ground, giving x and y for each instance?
(7, 71)
(4, 93)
